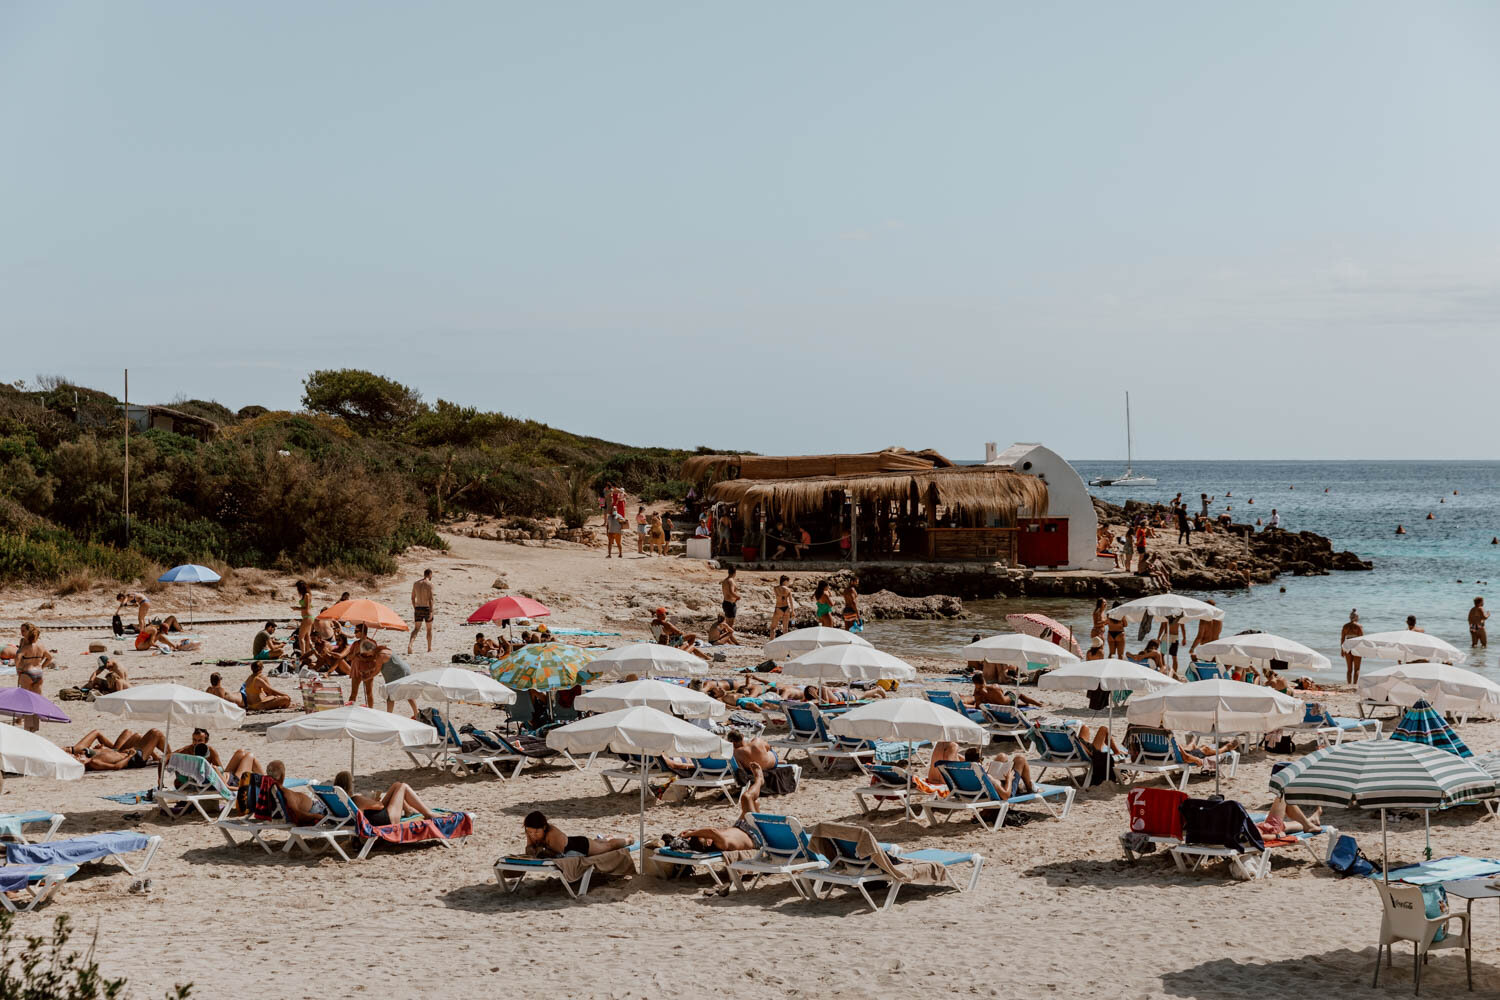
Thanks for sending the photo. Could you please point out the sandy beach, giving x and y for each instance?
(1057, 910)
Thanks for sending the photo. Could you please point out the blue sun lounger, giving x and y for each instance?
(856, 860)
(115, 845)
(510, 872)
(784, 850)
(37, 881)
(971, 790)
(13, 825)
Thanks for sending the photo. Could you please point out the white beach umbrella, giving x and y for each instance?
(1016, 649)
(1108, 674)
(1403, 647)
(648, 659)
(1447, 687)
(1216, 706)
(848, 662)
(356, 723)
(660, 695)
(449, 684)
(637, 730)
(914, 719)
(803, 639)
(1166, 606)
(1258, 649)
(169, 703)
(35, 756)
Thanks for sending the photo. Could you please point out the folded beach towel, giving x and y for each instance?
(76, 850)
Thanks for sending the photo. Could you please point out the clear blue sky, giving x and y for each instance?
(788, 227)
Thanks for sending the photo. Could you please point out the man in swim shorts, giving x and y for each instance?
(731, 603)
(421, 609)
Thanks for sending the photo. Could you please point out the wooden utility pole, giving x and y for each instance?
(127, 456)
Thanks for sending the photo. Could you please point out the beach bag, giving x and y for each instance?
(1283, 745)
(1103, 767)
(1347, 859)
(117, 626)
(1435, 904)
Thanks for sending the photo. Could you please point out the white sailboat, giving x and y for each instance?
(1129, 476)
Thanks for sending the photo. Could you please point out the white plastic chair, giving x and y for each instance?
(1405, 919)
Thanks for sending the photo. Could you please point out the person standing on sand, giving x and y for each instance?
(1351, 629)
(731, 590)
(1116, 634)
(421, 610)
(1208, 630)
(1477, 617)
(852, 620)
(133, 599)
(781, 617)
(641, 530)
(614, 533)
(1101, 607)
(1184, 527)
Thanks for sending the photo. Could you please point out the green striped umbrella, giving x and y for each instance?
(1382, 774)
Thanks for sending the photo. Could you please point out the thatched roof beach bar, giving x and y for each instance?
(892, 504)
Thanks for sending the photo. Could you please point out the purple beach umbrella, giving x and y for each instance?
(19, 701)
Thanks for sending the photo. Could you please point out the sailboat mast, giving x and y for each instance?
(1129, 439)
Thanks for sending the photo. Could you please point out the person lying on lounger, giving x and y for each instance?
(994, 694)
(752, 752)
(1201, 754)
(392, 807)
(239, 762)
(543, 840)
(1282, 818)
(1010, 775)
(941, 750)
(739, 837)
(301, 808)
(1099, 739)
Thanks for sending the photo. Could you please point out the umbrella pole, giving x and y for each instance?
(1385, 852)
(351, 757)
(641, 834)
(1427, 829)
(161, 768)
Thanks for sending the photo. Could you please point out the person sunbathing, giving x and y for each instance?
(239, 762)
(941, 750)
(1010, 775)
(994, 694)
(740, 836)
(260, 696)
(1099, 739)
(392, 807)
(301, 808)
(1152, 655)
(483, 646)
(1283, 818)
(217, 689)
(129, 750)
(154, 635)
(1202, 754)
(325, 659)
(752, 752)
(667, 634)
(543, 840)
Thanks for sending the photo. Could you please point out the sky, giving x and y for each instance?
(786, 228)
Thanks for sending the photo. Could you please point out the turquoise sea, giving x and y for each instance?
(1434, 571)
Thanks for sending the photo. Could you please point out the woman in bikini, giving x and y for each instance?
(128, 751)
(303, 607)
(1115, 631)
(154, 635)
(543, 840)
(1100, 618)
(31, 659)
(823, 605)
(781, 618)
(391, 807)
(132, 599)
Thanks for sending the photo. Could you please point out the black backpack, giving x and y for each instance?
(117, 626)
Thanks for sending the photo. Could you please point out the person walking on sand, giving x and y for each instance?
(1351, 629)
(781, 616)
(303, 607)
(1477, 617)
(421, 610)
(731, 603)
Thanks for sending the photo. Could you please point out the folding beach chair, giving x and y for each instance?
(971, 790)
(710, 774)
(435, 754)
(495, 753)
(1155, 752)
(841, 748)
(888, 783)
(630, 771)
(575, 872)
(1007, 722)
(1223, 830)
(1325, 726)
(856, 860)
(116, 845)
(195, 786)
(264, 814)
(13, 825)
(1199, 670)
(783, 850)
(345, 821)
(806, 729)
(948, 700)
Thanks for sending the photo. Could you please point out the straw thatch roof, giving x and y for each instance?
(980, 490)
(717, 467)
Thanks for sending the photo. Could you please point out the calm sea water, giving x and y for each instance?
(1434, 571)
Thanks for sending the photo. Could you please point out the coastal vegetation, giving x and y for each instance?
(364, 470)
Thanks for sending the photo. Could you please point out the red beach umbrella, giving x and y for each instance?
(505, 608)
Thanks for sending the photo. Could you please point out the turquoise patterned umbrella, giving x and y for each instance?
(544, 666)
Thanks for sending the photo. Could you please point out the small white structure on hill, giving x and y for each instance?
(1066, 536)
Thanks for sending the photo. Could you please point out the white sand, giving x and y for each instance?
(1056, 912)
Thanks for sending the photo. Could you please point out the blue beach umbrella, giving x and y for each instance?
(189, 573)
(1422, 724)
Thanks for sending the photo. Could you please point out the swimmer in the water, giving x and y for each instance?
(1400, 530)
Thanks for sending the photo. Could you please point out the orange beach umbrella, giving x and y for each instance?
(370, 614)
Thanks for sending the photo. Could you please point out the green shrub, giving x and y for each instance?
(41, 968)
